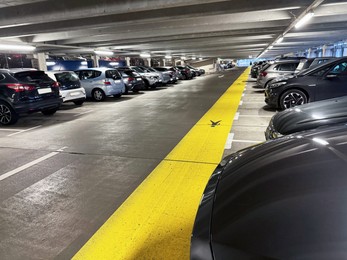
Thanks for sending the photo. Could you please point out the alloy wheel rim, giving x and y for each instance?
(5, 114)
(293, 99)
(97, 95)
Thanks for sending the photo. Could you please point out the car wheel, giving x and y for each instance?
(146, 84)
(117, 95)
(292, 98)
(79, 103)
(49, 112)
(126, 90)
(98, 95)
(7, 115)
(184, 77)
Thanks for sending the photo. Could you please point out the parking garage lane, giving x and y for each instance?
(51, 208)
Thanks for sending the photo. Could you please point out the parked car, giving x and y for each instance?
(308, 116)
(257, 66)
(185, 71)
(132, 80)
(275, 70)
(70, 86)
(24, 91)
(322, 82)
(151, 79)
(283, 199)
(170, 72)
(101, 82)
(194, 70)
(164, 77)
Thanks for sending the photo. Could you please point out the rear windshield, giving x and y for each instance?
(161, 69)
(65, 77)
(32, 76)
(137, 69)
(110, 74)
(130, 73)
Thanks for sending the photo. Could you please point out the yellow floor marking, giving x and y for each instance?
(156, 221)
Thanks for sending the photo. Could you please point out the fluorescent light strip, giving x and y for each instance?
(9, 47)
(106, 53)
(304, 19)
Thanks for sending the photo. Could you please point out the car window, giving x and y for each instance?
(338, 69)
(64, 77)
(89, 74)
(110, 74)
(32, 76)
(320, 73)
(286, 67)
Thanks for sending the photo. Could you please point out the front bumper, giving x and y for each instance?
(271, 98)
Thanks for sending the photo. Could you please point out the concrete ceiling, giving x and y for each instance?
(201, 28)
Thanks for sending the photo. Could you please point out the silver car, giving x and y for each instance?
(101, 82)
(277, 69)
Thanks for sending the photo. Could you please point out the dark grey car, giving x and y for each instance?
(306, 117)
(323, 82)
(283, 199)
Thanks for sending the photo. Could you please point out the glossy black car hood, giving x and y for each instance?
(310, 116)
(284, 199)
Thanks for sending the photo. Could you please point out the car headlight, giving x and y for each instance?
(277, 84)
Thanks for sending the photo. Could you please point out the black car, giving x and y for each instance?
(283, 199)
(322, 82)
(24, 91)
(308, 116)
(194, 70)
(132, 80)
(185, 71)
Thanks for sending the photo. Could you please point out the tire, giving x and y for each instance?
(184, 77)
(79, 102)
(292, 98)
(49, 112)
(146, 84)
(117, 95)
(98, 95)
(7, 115)
(126, 90)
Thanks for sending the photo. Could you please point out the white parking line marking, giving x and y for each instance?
(237, 115)
(241, 102)
(243, 95)
(246, 141)
(229, 141)
(30, 164)
(221, 76)
(10, 130)
(26, 130)
(255, 102)
(84, 113)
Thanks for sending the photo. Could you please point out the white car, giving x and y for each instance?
(101, 82)
(70, 86)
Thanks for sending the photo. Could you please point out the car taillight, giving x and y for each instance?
(20, 87)
(56, 85)
(263, 73)
(131, 79)
(107, 83)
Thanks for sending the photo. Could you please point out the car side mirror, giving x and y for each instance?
(331, 76)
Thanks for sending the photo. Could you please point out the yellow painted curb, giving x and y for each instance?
(156, 221)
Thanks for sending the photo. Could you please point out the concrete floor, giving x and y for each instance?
(61, 177)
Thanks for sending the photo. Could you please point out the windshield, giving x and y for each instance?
(65, 77)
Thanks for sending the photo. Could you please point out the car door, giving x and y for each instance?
(89, 80)
(333, 83)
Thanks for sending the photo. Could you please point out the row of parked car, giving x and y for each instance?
(24, 91)
(285, 198)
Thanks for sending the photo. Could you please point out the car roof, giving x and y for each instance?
(97, 69)
(15, 70)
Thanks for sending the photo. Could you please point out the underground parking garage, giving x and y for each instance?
(141, 129)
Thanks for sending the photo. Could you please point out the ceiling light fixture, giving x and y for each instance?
(200, 58)
(104, 53)
(193, 58)
(270, 47)
(183, 58)
(11, 47)
(168, 57)
(279, 40)
(304, 19)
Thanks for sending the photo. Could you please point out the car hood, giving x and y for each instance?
(312, 115)
(283, 199)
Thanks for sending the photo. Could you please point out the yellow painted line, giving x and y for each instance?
(156, 221)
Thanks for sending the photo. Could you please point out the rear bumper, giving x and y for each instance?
(37, 105)
(73, 94)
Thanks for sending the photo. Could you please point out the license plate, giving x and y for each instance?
(74, 93)
(138, 79)
(44, 90)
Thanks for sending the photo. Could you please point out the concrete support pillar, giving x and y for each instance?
(95, 60)
(41, 58)
(309, 53)
(324, 50)
(148, 62)
(127, 60)
(164, 63)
